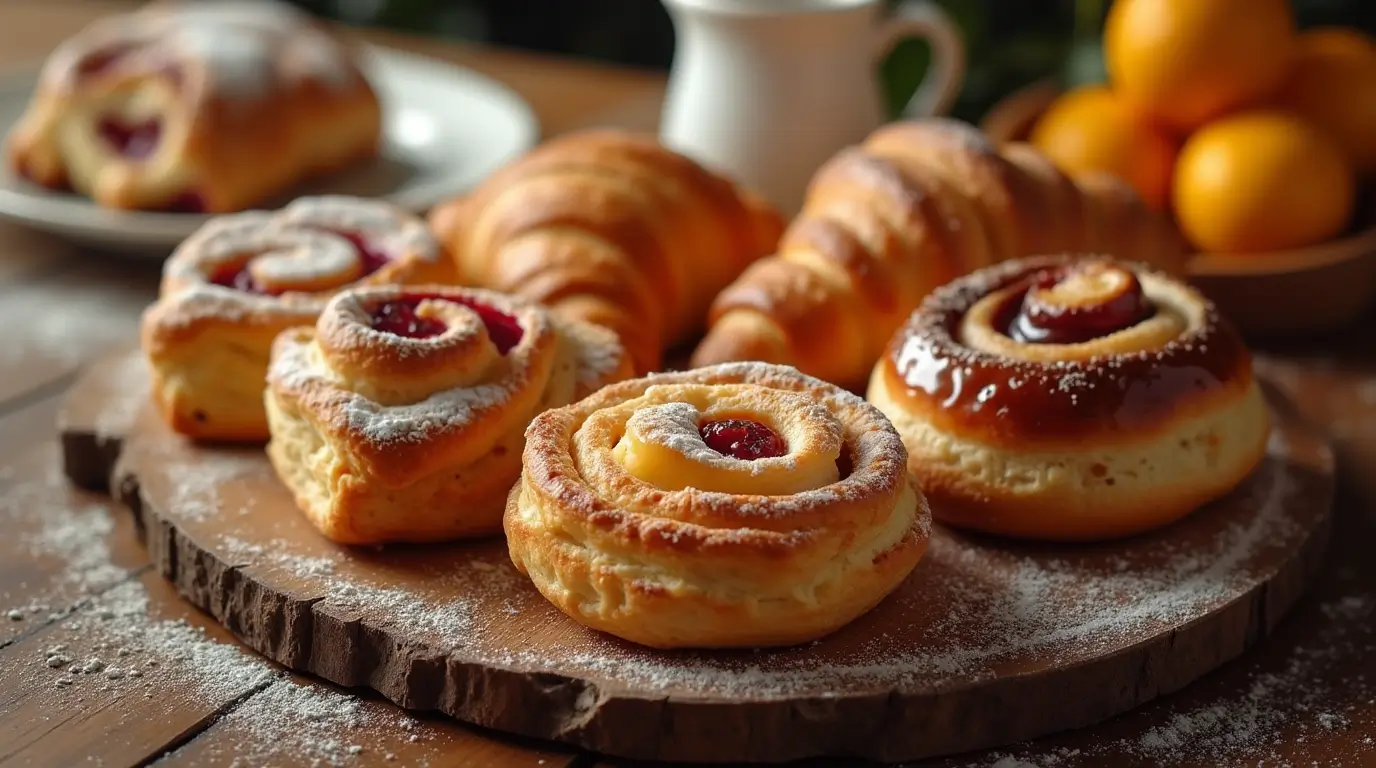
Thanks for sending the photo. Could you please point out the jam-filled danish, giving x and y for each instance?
(200, 107)
(736, 505)
(401, 415)
(241, 279)
(1071, 398)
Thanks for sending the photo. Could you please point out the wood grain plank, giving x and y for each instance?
(131, 674)
(96, 414)
(306, 721)
(60, 546)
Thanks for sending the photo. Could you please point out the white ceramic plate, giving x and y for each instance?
(445, 129)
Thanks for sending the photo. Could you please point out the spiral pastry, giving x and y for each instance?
(738, 505)
(1071, 398)
(401, 415)
(231, 287)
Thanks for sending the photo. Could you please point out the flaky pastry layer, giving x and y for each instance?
(620, 544)
(422, 464)
(1088, 440)
(208, 343)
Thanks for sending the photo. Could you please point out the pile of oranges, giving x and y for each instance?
(1255, 136)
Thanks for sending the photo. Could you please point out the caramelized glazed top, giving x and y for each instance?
(1050, 349)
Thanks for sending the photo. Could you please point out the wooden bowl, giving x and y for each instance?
(1302, 291)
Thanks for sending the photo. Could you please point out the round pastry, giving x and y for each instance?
(401, 415)
(738, 505)
(1071, 398)
(241, 279)
(199, 107)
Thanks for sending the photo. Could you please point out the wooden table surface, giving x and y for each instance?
(1307, 696)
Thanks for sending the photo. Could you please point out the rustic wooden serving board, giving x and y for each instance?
(989, 642)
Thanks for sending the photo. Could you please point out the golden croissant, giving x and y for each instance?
(884, 223)
(611, 228)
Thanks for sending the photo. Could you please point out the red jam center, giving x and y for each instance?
(135, 140)
(1076, 305)
(399, 317)
(239, 278)
(743, 439)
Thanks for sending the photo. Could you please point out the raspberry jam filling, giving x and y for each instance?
(239, 278)
(399, 317)
(134, 140)
(742, 439)
(1075, 305)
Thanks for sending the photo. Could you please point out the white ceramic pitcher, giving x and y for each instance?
(766, 90)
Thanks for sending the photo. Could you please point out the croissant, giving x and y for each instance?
(613, 229)
(916, 205)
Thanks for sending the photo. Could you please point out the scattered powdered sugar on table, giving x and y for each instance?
(196, 495)
(1264, 722)
(73, 533)
(1028, 607)
(117, 646)
(310, 723)
(123, 637)
(113, 644)
(450, 620)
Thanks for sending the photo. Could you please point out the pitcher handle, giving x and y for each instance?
(925, 20)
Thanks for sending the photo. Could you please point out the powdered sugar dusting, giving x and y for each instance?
(49, 525)
(1264, 719)
(118, 647)
(248, 49)
(308, 723)
(675, 426)
(196, 494)
(443, 621)
(1026, 608)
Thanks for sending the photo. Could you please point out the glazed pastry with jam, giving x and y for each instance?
(241, 279)
(1071, 398)
(400, 417)
(737, 505)
(196, 107)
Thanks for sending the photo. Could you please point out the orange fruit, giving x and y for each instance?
(1186, 62)
(1261, 181)
(1091, 129)
(1332, 84)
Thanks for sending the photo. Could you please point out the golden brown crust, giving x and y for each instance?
(1115, 433)
(612, 228)
(885, 223)
(967, 160)
(384, 437)
(1115, 387)
(874, 236)
(629, 523)
(208, 343)
(239, 100)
